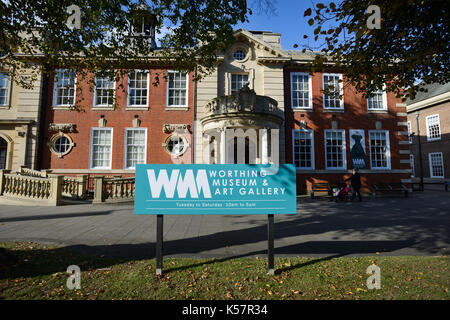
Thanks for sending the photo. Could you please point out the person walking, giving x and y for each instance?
(355, 179)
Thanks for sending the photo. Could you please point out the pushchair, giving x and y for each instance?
(341, 193)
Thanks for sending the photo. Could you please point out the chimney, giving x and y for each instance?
(273, 39)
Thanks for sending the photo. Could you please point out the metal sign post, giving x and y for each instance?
(270, 245)
(220, 189)
(159, 243)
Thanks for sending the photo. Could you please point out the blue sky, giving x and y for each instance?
(287, 20)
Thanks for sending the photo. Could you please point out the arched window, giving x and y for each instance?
(3, 153)
(239, 55)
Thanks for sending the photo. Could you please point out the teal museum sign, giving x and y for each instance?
(215, 189)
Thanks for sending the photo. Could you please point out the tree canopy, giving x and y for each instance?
(408, 48)
(46, 31)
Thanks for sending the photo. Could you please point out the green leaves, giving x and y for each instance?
(199, 30)
(404, 50)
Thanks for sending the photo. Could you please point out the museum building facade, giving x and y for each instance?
(260, 105)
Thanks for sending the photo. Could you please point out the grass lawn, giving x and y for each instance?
(35, 271)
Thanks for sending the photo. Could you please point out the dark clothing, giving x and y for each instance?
(356, 185)
(355, 180)
(356, 191)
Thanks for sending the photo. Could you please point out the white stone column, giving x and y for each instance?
(264, 145)
(223, 145)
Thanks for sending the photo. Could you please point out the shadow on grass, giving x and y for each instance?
(35, 262)
(403, 222)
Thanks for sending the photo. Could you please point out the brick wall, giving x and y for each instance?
(354, 116)
(153, 119)
(442, 145)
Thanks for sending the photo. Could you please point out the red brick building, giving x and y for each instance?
(320, 131)
(132, 121)
(118, 123)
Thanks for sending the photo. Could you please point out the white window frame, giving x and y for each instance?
(91, 148)
(125, 145)
(7, 89)
(428, 128)
(94, 96)
(237, 74)
(55, 88)
(383, 98)
(388, 150)
(311, 131)
(410, 138)
(341, 91)
(431, 166)
(344, 149)
(235, 53)
(411, 164)
(142, 106)
(167, 90)
(310, 104)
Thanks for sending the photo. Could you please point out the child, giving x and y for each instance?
(341, 193)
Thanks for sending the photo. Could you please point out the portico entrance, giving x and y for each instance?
(241, 128)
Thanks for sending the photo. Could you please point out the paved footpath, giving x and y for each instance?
(418, 225)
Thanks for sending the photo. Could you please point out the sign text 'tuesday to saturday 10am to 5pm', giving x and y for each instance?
(215, 189)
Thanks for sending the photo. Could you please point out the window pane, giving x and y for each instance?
(433, 127)
(62, 144)
(239, 55)
(332, 100)
(300, 91)
(175, 145)
(334, 145)
(135, 146)
(238, 81)
(411, 162)
(436, 165)
(64, 87)
(101, 148)
(379, 150)
(4, 80)
(303, 150)
(375, 102)
(104, 91)
(177, 89)
(137, 88)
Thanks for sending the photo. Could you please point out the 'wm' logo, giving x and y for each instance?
(176, 181)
